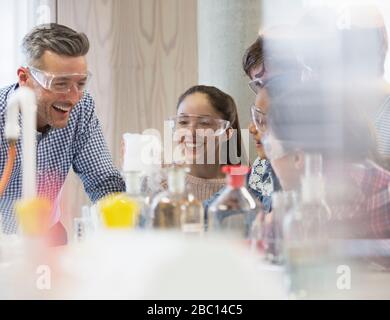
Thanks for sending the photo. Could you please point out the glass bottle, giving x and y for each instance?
(133, 180)
(313, 206)
(83, 226)
(192, 217)
(294, 247)
(234, 210)
(306, 233)
(176, 208)
(282, 203)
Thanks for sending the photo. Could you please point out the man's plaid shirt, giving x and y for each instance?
(80, 145)
(364, 209)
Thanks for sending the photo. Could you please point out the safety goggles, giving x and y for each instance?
(256, 85)
(259, 118)
(204, 125)
(61, 82)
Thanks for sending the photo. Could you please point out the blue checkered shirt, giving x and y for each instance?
(79, 145)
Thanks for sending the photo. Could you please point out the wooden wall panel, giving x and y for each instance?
(143, 55)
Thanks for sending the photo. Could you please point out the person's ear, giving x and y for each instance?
(299, 160)
(252, 128)
(23, 76)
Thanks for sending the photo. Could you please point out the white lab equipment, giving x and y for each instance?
(24, 100)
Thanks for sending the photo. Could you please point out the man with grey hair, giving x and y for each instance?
(68, 131)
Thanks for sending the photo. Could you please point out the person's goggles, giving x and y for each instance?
(256, 85)
(259, 118)
(61, 82)
(204, 125)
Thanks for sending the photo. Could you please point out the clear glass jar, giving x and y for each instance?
(282, 203)
(133, 180)
(305, 233)
(176, 208)
(313, 205)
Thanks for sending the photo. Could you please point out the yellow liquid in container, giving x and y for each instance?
(119, 211)
(34, 216)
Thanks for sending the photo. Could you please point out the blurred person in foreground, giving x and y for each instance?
(351, 54)
(329, 114)
(314, 119)
(365, 46)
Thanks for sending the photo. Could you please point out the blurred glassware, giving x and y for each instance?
(133, 180)
(34, 216)
(176, 208)
(305, 233)
(79, 229)
(234, 210)
(313, 206)
(84, 226)
(119, 211)
(192, 218)
(282, 203)
(256, 236)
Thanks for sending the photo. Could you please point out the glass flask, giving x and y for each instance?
(83, 227)
(313, 206)
(79, 229)
(234, 210)
(192, 217)
(305, 233)
(176, 208)
(133, 180)
(282, 203)
(295, 253)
